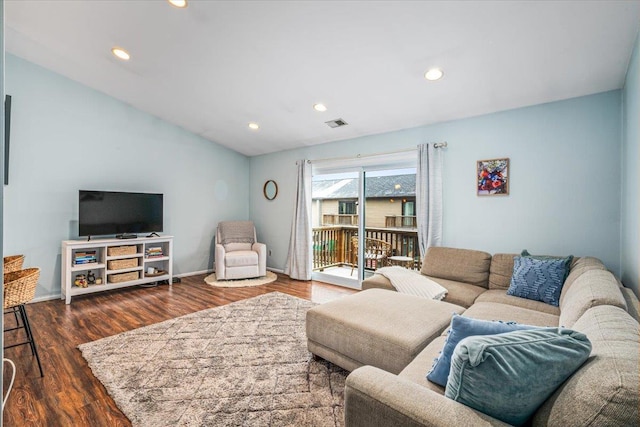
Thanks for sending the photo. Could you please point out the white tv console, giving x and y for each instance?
(112, 267)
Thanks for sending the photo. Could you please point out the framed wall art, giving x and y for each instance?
(492, 177)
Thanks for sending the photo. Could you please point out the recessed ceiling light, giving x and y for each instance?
(178, 3)
(254, 126)
(121, 53)
(320, 107)
(434, 74)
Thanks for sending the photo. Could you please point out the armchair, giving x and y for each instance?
(238, 255)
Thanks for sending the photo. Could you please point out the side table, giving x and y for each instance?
(403, 261)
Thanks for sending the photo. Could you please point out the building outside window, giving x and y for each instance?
(347, 207)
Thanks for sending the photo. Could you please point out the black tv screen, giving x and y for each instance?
(111, 212)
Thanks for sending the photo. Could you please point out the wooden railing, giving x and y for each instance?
(332, 245)
(400, 221)
(339, 219)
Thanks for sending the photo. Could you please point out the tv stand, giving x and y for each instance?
(127, 236)
(117, 264)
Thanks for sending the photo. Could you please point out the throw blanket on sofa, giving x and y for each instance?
(413, 283)
(236, 232)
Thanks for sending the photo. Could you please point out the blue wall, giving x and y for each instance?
(565, 181)
(630, 215)
(66, 137)
(565, 185)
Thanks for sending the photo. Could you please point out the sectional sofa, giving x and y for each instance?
(389, 341)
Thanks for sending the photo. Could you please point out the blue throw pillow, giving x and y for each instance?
(508, 376)
(568, 259)
(539, 279)
(462, 327)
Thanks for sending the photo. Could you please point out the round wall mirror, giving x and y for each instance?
(270, 190)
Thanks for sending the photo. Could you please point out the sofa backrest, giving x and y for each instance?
(501, 271)
(462, 265)
(579, 267)
(592, 288)
(632, 303)
(604, 391)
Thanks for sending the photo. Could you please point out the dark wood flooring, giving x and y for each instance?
(69, 395)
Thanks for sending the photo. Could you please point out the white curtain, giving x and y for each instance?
(299, 256)
(429, 197)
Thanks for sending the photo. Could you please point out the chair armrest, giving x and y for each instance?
(261, 249)
(376, 398)
(219, 260)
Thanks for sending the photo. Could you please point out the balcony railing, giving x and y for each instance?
(400, 221)
(332, 245)
(339, 219)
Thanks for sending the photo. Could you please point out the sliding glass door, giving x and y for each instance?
(363, 218)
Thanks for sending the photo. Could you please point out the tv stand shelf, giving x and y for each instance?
(79, 257)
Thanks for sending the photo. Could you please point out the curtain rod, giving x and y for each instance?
(364, 156)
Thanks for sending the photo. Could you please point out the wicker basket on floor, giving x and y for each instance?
(20, 286)
(13, 263)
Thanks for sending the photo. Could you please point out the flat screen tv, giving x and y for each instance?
(123, 214)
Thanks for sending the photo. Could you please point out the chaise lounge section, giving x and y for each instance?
(389, 341)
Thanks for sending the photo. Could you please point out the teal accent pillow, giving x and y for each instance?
(539, 279)
(508, 376)
(462, 327)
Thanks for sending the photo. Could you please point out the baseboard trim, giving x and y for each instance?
(46, 298)
(192, 273)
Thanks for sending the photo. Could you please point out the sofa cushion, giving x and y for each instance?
(462, 294)
(509, 375)
(510, 313)
(604, 391)
(415, 370)
(461, 328)
(411, 282)
(240, 258)
(459, 293)
(460, 265)
(500, 296)
(501, 270)
(376, 327)
(377, 281)
(592, 288)
(231, 247)
(579, 267)
(539, 279)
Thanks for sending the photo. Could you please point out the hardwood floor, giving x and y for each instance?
(69, 395)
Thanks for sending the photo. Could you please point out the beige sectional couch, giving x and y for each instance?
(389, 341)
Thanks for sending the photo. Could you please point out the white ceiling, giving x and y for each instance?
(217, 65)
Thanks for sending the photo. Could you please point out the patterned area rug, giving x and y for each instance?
(239, 283)
(245, 363)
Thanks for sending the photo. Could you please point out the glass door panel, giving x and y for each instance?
(389, 226)
(335, 221)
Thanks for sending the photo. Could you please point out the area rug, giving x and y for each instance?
(239, 283)
(242, 364)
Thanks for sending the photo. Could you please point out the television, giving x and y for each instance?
(120, 213)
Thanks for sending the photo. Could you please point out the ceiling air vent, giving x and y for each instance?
(336, 123)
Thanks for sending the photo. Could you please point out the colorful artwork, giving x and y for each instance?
(493, 177)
